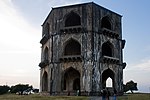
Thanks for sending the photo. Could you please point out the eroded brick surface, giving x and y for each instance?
(81, 48)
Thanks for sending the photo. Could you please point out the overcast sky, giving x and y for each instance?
(20, 33)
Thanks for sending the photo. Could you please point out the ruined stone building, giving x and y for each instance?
(82, 47)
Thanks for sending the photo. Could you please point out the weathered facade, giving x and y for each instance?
(81, 48)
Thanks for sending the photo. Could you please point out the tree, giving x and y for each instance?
(4, 89)
(19, 88)
(130, 86)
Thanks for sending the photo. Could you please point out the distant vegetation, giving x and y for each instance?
(4, 89)
(19, 88)
(130, 86)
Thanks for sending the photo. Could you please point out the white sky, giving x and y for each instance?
(20, 33)
(19, 48)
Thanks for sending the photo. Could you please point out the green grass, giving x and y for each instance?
(138, 96)
(41, 97)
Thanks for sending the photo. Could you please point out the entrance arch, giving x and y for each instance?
(71, 79)
(45, 82)
(106, 75)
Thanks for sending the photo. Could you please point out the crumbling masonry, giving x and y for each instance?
(81, 48)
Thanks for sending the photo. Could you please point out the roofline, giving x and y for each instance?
(85, 4)
(72, 5)
(47, 17)
(79, 5)
(107, 9)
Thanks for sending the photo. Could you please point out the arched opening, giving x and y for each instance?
(46, 54)
(45, 82)
(108, 75)
(107, 49)
(71, 79)
(109, 82)
(72, 19)
(105, 23)
(72, 48)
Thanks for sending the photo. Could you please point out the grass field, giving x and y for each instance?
(138, 96)
(40, 97)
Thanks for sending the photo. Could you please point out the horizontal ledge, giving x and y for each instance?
(71, 58)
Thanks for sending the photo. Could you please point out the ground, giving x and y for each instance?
(41, 97)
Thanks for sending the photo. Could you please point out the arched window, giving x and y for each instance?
(46, 54)
(107, 49)
(72, 48)
(105, 23)
(72, 19)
